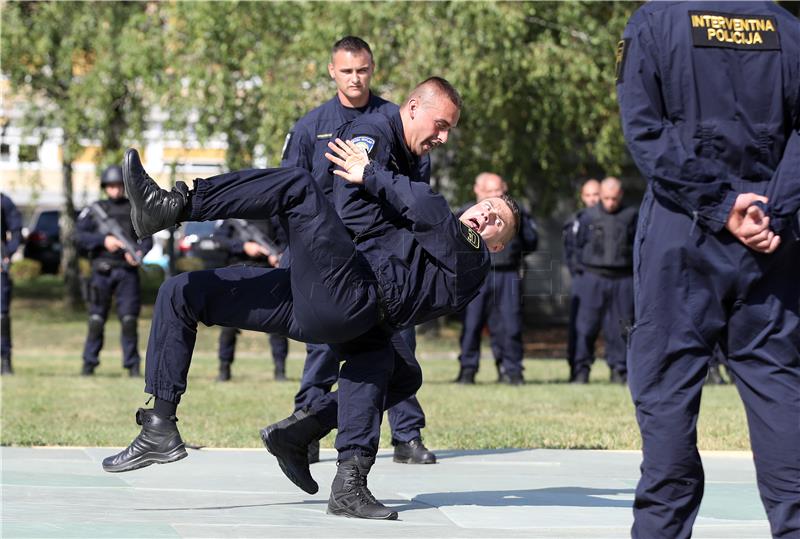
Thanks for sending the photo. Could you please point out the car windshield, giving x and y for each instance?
(48, 222)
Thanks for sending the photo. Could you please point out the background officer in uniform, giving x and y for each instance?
(351, 68)
(710, 99)
(590, 195)
(115, 272)
(244, 250)
(498, 304)
(10, 239)
(605, 254)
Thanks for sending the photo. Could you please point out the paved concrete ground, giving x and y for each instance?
(63, 492)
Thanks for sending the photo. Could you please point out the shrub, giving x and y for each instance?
(25, 269)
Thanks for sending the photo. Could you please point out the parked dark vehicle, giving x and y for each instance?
(42, 242)
(197, 240)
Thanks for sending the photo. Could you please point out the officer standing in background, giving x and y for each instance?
(243, 249)
(10, 239)
(115, 271)
(605, 253)
(351, 68)
(590, 195)
(498, 304)
(709, 94)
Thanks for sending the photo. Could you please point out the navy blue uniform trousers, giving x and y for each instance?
(321, 371)
(123, 283)
(605, 302)
(327, 296)
(498, 306)
(227, 346)
(692, 291)
(5, 292)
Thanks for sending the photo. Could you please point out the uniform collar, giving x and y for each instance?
(396, 123)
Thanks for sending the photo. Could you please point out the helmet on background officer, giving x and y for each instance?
(111, 182)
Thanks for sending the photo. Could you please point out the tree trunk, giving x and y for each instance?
(69, 253)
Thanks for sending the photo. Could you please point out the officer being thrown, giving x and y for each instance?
(351, 296)
(115, 270)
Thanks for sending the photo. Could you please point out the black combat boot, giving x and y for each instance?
(6, 366)
(134, 371)
(413, 452)
(280, 372)
(224, 372)
(513, 379)
(581, 377)
(350, 496)
(152, 208)
(87, 369)
(159, 442)
(466, 377)
(313, 452)
(288, 440)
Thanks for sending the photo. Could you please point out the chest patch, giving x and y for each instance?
(363, 141)
(471, 236)
(734, 31)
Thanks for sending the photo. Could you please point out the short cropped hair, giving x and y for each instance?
(442, 86)
(351, 44)
(514, 207)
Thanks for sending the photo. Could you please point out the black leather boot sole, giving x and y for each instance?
(345, 512)
(159, 442)
(146, 459)
(292, 457)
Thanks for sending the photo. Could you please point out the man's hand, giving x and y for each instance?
(112, 244)
(350, 158)
(254, 250)
(130, 260)
(749, 225)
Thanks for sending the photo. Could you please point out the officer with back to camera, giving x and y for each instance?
(245, 241)
(10, 239)
(351, 68)
(498, 305)
(605, 254)
(115, 271)
(709, 94)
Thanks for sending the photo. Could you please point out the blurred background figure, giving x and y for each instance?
(498, 304)
(254, 243)
(10, 238)
(590, 195)
(105, 231)
(605, 253)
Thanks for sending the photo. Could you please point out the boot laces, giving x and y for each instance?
(358, 483)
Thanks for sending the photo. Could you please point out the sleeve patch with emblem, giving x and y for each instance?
(734, 31)
(363, 141)
(286, 144)
(471, 236)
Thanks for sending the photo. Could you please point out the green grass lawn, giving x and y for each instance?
(47, 403)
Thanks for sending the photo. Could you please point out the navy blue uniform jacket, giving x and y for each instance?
(700, 140)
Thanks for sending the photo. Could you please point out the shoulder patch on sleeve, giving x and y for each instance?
(286, 144)
(84, 212)
(622, 50)
(364, 141)
(470, 235)
(734, 31)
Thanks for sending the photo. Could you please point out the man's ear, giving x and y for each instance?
(413, 106)
(331, 71)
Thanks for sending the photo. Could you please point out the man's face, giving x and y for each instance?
(115, 191)
(429, 124)
(489, 186)
(590, 193)
(611, 197)
(352, 73)
(493, 220)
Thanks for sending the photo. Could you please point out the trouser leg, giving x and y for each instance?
(617, 321)
(320, 372)
(227, 345)
(279, 345)
(99, 304)
(507, 312)
(474, 320)
(588, 320)
(406, 418)
(128, 293)
(333, 289)
(5, 318)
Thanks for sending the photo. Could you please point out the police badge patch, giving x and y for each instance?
(471, 236)
(365, 142)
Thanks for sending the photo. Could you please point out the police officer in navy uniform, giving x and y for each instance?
(425, 263)
(605, 253)
(590, 195)
(498, 305)
(244, 250)
(114, 273)
(351, 68)
(710, 99)
(10, 239)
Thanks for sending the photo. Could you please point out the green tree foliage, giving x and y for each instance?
(537, 79)
(81, 66)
